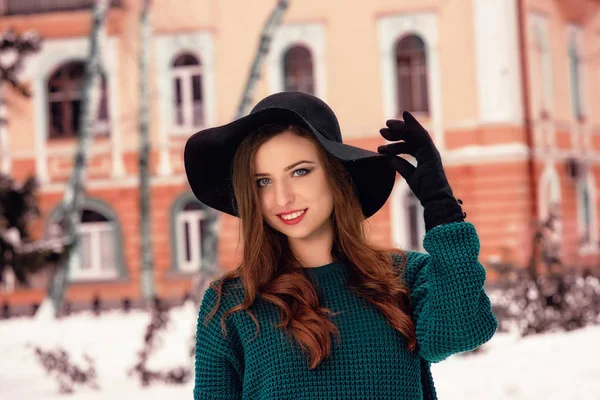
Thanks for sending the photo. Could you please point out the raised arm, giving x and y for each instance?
(452, 313)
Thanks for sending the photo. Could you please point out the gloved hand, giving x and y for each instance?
(427, 180)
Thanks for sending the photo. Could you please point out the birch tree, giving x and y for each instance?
(73, 197)
(266, 36)
(147, 264)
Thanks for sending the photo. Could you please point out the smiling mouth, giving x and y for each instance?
(295, 220)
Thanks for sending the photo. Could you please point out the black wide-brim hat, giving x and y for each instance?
(208, 154)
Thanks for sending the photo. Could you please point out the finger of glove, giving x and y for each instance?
(396, 148)
(392, 134)
(409, 119)
(396, 124)
(413, 126)
(404, 168)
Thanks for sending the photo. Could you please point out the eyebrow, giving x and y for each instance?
(288, 167)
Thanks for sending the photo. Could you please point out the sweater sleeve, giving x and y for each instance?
(452, 313)
(219, 364)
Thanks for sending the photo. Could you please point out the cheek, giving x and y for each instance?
(320, 192)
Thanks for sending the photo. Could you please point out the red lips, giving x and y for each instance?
(295, 220)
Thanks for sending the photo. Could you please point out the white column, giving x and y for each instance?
(41, 153)
(498, 71)
(112, 82)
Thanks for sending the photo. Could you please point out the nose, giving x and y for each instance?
(283, 194)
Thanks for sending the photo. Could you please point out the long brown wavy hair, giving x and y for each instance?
(270, 270)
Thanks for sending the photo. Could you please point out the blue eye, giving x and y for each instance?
(261, 179)
(305, 170)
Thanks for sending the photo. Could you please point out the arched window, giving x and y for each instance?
(586, 204)
(575, 75)
(298, 70)
(542, 70)
(188, 92)
(64, 102)
(549, 189)
(97, 247)
(411, 68)
(195, 236)
(101, 246)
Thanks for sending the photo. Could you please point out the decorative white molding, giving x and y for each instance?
(310, 35)
(41, 65)
(486, 154)
(167, 46)
(128, 182)
(498, 72)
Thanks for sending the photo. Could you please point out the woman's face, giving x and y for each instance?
(291, 178)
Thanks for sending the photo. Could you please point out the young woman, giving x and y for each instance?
(316, 311)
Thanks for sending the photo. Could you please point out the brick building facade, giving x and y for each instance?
(507, 89)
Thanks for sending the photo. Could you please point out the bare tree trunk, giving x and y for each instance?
(73, 196)
(266, 36)
(5, 161)
(147, 277)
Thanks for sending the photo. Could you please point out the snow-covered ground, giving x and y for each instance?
(551, 366)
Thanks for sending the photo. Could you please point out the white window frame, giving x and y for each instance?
(166, 48)
(400, 222)
(549, 178)
(312, 36)
(193, 218)
(39, 67)
(185, 73)
(575, 39)
(95, 271)
(592, 245)
(390, 29)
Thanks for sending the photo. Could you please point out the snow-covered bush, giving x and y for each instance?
(546, 295)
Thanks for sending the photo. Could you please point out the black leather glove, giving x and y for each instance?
(428, 180)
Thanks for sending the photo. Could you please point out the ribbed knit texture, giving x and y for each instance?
(451, 311)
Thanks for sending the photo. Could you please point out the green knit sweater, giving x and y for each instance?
(451, 311)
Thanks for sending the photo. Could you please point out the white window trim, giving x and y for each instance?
(167, 47)
(575, 32)
(549, 177)
(185, 73)
(391, 29)
(96, 270)
(38, 69)
(193, 217)
(592, 246)
(310, 35)
(400, 227)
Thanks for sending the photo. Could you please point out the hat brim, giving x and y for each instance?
(208, 159)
